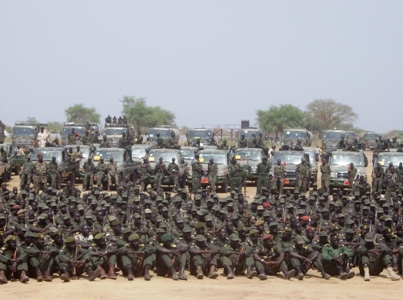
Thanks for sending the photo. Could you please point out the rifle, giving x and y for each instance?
(14, 257)
(240, 253)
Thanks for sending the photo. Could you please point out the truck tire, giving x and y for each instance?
(17, 170)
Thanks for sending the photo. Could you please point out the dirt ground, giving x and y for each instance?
(275, 287)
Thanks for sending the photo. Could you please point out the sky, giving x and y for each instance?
(209, 62)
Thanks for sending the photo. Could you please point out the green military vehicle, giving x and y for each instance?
(5, 166)
(167, 155)
(139, 151)
(15, 158)
(249, 158)
(290, 160)
(331, 139)
(222, 159)
(25, 134)
(66, 170)
(248, 132)
(292, 135)
(370, 140)
(339, 163)
(114, 132)
(164, 131)
(125, 167)
(203, 134)
(188, 154)
(385, 158)
(79, 130)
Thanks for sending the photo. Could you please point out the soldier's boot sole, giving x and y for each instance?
(213, 272)
(199, 272)
(262, 276)
(111, 272)
(290, 274)
(350, 274)
(102, 273)
(39, 277)
(251, 273)
(366, 275)
(343, 275)
(94, 275)
(300, 276)
(23, 277)
(3, 278)
(47, 278)
(65, 277)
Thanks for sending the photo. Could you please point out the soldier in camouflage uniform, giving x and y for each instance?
(279, 174)
(262, 171)
(53, 171)
(302, 176)
(112, 169)
(325, 170)
(41, 171)
(235, 174)
(173, 171)
(27, 170)
(212, 170)
(145, 174)
(197, 170)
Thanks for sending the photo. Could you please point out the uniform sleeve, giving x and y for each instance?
(327, 253)
(349, 252)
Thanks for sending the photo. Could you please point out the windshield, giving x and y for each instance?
(114, 131)
(107, 154)
(311, 157)
(204, 134)
(138, 152)
(384, 160)
(293, 159)
(86, 152)
(295, 135)
(164, 133)
(346, 159)
(350, 135)
(188, 153)
(166, 156)
(371, 136)
(248, 132)
(332, 135)
(23, 131)
(47, 155)
(219, 158)
(67, 130)
(248, 155)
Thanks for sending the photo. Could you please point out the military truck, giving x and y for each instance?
(385, 158)
(79, 129)
(339, 163)
(2, 133)
(248, 132)
(167, 155)
(164, 131)
(15, 158)
(290, 160)
(331, 138)
(125, 167)
(222, 159)
(25, 134)
(66, 170)
(5, 166)
(249, 158)
(139, 151)
(203, 134)
(370, 139)
(292, 135)
(114, 133)
(188, 154)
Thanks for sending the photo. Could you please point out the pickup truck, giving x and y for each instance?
(249, 158)
(290, 159)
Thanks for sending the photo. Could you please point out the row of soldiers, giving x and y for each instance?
(134, 233)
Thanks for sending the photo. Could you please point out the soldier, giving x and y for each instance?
(160, 140)
(302, 176)
(145, 174)
(41, 171)
(103, 256)
(169, 142)
(125, 143)
(279, 174)
(391, 181)
(53, 170)
(88, 169)
(160, 171)
(377, 178)
(72, 137)
(43, 137)
(108, 119)
(102, 171)
(197, 171)
(203, 258)
(104, 143)
(235, 174)
(112, 171)
(139, 138)
(13, 261)
(252, 141)
(352, 174)
(242, 143)
(173, 171)
(223, 146)
(212, 170)
(27, 171)
(325, 170)
(262, 172)
(3, 154)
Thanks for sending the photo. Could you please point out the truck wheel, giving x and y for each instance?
(17, 170)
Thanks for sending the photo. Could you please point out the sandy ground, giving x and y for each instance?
(312, 287)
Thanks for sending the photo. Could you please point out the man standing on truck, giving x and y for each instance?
(43, 137)
(72, 137)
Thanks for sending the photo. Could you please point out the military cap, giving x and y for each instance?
(356, 194)
(66, 217)
(188, 229)
(299, 240)
(287, 230)
(53, 229)
(70, 239)
(29, 234)
(200, 238)
(136, 216)
(321, 198)
(133, 237)
(253, 232)
(43, 216)
(259, 222)
(166, 237)
(234, 237)
(126, 230)
(89, 216)
(323, 233)
(314, 193)
(325, 210)
(267, 237)
(38, 235)
(120, 187)
(349, 222)
(161, 230)
(341, 216)
(116, 223)
(241, 228)
(148, 211)
(99, 236)
(2, 217)
(326, 194)
(199, 225)
(289, 205)
(273, 224)
(349, 230)
(296, 192)
(260, 207)
(386, 229)
(369, 237)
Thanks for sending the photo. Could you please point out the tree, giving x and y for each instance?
(55, 127)
(32, 120)
(330, 115)
(276, 118)
(78, 113)
(143, 116)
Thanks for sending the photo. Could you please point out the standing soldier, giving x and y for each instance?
(53, 170)
(42, 137)
(235, 174)
(41, 171)
(112, 170)
(377, 178)
(262, 171)
(325, 170)
(160, 140)
(125, 143)
(173, 171)
(391, 180)
(302, 172)
(352, 174)
(88, 168)
(27, 169)
(160, 170)
(72, 137)
(197, 170)
(279, 174)
(102, 169)
(212, 169)
(104, 143)
(145, 172)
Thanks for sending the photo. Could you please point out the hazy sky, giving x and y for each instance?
(210, 62)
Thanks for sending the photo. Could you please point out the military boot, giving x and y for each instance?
(213, 272)
(262, 274)
(250, 273)
(288, 274)
(92, 274)
(46, 276)
(366, 274)
(38, 274)
(392, 275)
(102, 273)
(230, 274)
(64, 275)
(129, 274)
(300, 275)
(182, 275)
(350, 274)
(23, 277)
(173, 273)
(3, 278)
(147, 273)
(111, 272)
(324, 274)
(199, 272)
